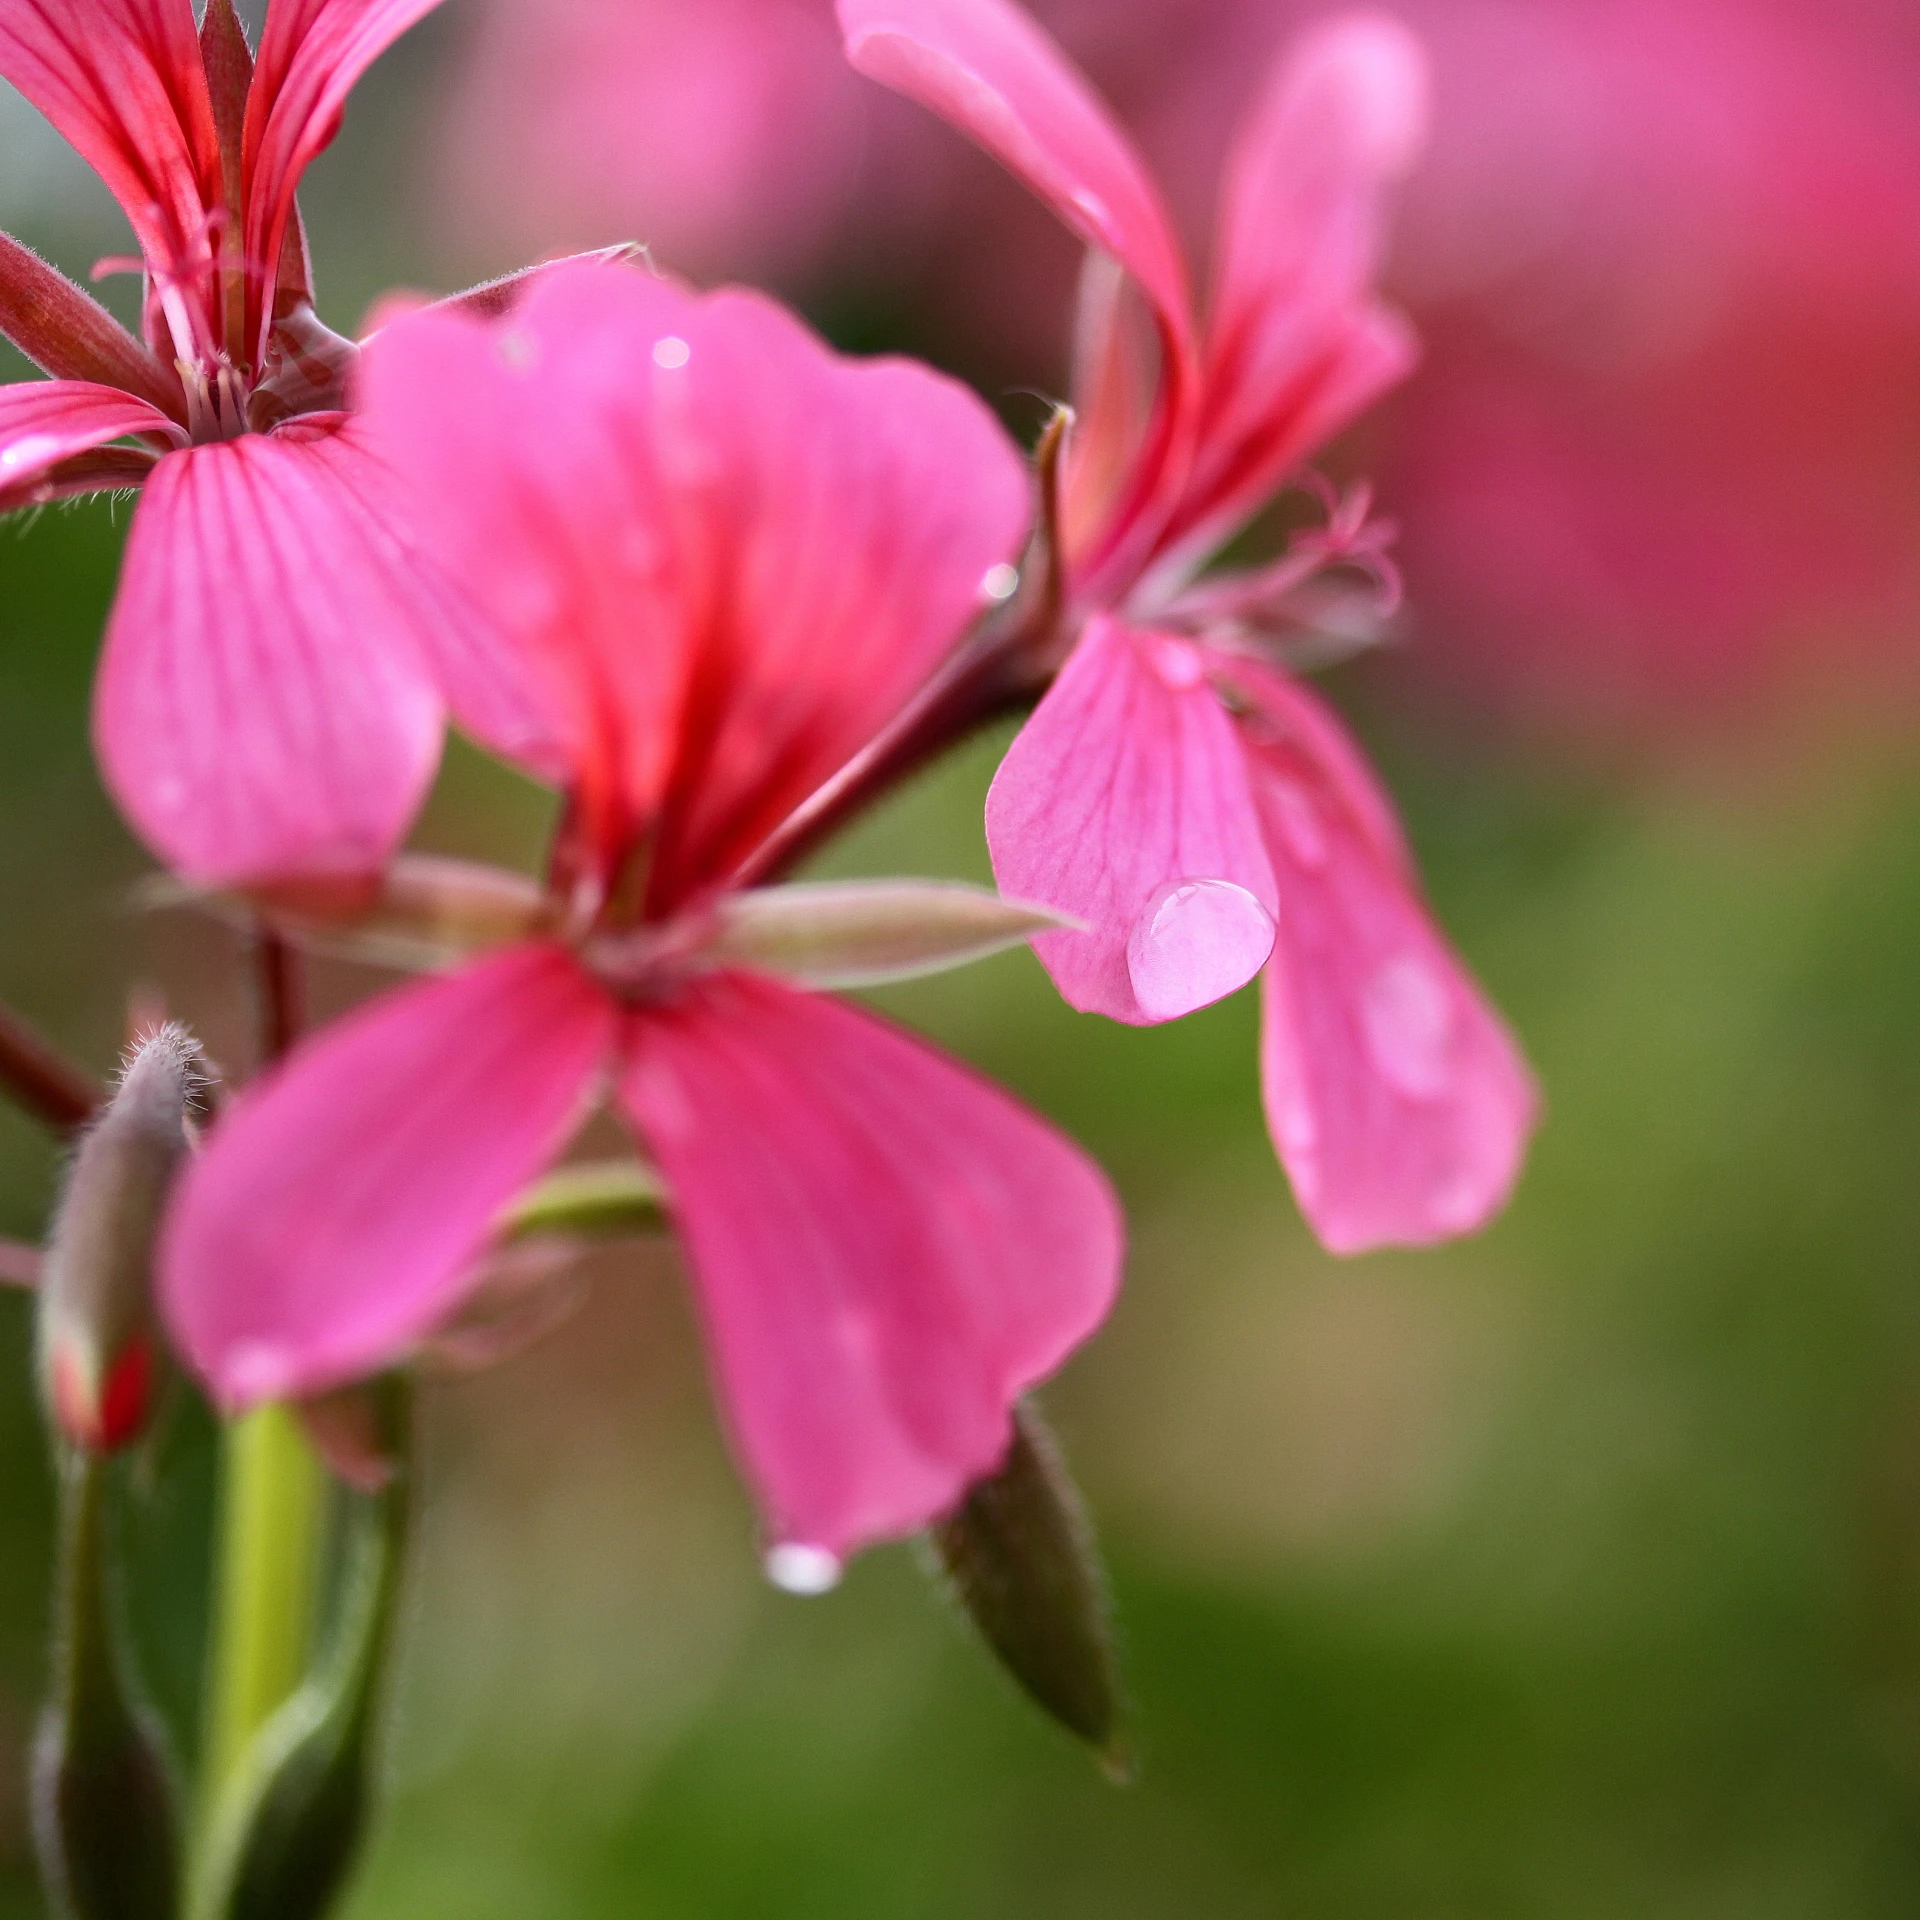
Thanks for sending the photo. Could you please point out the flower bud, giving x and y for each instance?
(1021, 1558)
(99, 1349)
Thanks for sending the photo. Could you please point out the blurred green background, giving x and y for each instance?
(1572, 1571)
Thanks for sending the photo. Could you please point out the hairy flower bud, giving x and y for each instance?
(99, 1352)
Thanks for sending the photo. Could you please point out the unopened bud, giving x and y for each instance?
(105, 1807)
(1021, 1558)
(860, 933)
(99, 1349)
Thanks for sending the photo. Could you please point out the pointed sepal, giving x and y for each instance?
(1021, 1558)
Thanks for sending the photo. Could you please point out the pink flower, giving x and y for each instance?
(263, 709)
(725, 559)
(1176, 790)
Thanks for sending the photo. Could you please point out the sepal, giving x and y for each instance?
(1020, 1556)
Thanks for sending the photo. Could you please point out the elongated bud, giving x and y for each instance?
(103, 1793)
(291, 1825)
(99, 1351)
(859, 933)
(1021, 1558)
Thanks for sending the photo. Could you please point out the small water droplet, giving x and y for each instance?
(1195, 942)
(671, 352)
(31, 450)
(517, 350)
(1407, 1012)
(796, 1568)
(1300, 828)
(257, 1370)
(1176, 662)
(1093, 207)
(999, 582)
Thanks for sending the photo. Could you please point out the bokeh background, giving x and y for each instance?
(1572, 1571)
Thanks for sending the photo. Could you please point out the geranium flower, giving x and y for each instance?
(725, 559)
(263, 708)
(1176, 788)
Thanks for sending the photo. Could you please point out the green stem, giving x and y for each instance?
(273, 1499)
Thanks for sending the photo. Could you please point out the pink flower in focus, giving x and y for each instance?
(1176, 789)
(725, 558)
(263, 708)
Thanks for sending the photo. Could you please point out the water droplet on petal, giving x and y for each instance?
(31, 450)
(1300, 828)
(257, 1370)
(671, 352)
(1407, 1012)
(1196, 941)
(999, 582)
(1177, 662)
(796, 1568)
(1093, 207)
(517, 350)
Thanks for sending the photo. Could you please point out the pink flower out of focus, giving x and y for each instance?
(264, 709)
(1176, 789)
(724, 559)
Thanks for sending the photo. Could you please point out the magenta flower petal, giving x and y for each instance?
(1398, 1101)
(1297, 344)
(888, 1251)
(262, 709)
(43, 422)
(337, 1211)
(990, 71)
(1124, 802)
(726, 555)
(122, 80)
(311, 54)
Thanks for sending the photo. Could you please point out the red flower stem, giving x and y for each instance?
(280, 994)
(43, 1080)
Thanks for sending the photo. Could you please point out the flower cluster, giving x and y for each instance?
(717, 586)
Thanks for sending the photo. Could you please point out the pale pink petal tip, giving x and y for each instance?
(1378, 66)
(1196, 941)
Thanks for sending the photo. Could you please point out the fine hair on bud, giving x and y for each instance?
(97, 1339)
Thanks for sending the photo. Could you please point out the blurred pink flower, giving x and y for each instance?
(1662, 464)
(262, 709)
(724, 558)
(1175, 789)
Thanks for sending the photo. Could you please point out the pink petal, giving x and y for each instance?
(312, 52)
(122, 80)
(1398, 1101)
(263, 708)
(986, 68)
(43, 422)
(1297, 344)
(1124, 802)
(70, 335)
(728, 555)
(888, 1250)
(336, 1214)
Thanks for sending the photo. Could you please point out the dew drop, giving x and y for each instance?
(999, 582)
(32, 450)
(1177, 663)
(1196, 941)
(257, 1370)
(517, 350)
(1093, 207)
(797, 1568)
(1408, 1016)
(671, 352)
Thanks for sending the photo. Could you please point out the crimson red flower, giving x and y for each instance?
(264, 708)
(725, 559)
(1177, 789)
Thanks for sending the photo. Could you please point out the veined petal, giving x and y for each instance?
(1398, 1100)
(1296, 342)
(727, 555)
(993, 74)
(312, 52)
(1124, 802)
(264, 709)
(338, 1208)
(122, 80)
(43, 422)
(887, 1250)
(70, 335)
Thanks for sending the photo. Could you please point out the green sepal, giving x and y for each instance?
(593, 1199)
(292, 1820)
(105, 1804)
(1020, 1556)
